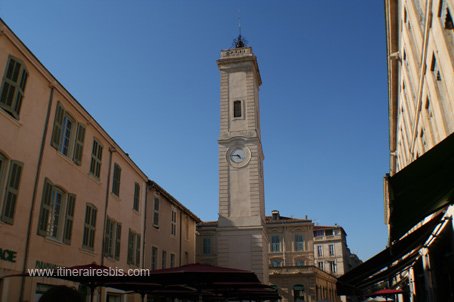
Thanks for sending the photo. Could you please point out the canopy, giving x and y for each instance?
(388, 262)
(421, 188)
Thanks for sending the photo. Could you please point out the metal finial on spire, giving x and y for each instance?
(240, 41)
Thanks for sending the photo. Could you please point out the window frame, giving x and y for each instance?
(237, 109)
(96, 159)
(64, 226)
(299, 244)
(18, 87)
(275, 246)
(156, 207)
(68, 142)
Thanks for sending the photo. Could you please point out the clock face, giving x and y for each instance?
(237, 155)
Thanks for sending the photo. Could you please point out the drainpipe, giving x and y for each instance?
(35, 189)
(181, 213)
(144, 224)
(111, 151)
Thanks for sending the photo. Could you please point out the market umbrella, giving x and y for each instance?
(386, 292)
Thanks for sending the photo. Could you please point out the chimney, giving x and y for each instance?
(275, 214)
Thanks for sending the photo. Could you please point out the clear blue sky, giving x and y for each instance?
(146, 70)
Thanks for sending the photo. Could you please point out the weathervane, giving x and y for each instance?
(240, 41)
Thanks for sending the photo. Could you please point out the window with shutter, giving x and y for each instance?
(45, 208)
(79, 144)
(96, 158)
(11, 191)
(156, 212)
(88, 241)
(116, 180)
(13, 86)
(136, 196)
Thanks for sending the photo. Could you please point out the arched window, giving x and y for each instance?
(298, 292)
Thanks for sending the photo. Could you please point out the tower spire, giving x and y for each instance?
(240, 41)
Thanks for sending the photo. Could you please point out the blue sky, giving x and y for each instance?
(146, 70)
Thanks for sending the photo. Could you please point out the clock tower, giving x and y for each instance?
(241, 236)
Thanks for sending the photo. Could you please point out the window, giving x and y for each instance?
(331, 249)
(276, 262)
(133, 248)
(96, 159)
(172, 260)
(116, 180)
(299, 262)
(319, 233)
(298, 292)
(237, 109)
(88, 241)
(13, 87)
(186, 258)
(186, 227)
(299, 242)
(329, 233)
(154, 258)
(207, 246)
(173, 223)
(332, 266)
(11, 187)
(164, 260)
(320, 265)
(434, 68)
(135, 205)
(57, 213)
(112, 239)
(275, 243)
(68, 136)
(156, 212)
(319, 251)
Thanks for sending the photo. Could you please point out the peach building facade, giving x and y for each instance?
(69, 195)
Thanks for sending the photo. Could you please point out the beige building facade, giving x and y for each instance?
(69, 195)
(171, 230)
(294, 265)
(420, 49)
(420, 39)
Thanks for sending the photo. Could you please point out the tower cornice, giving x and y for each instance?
(231, 58)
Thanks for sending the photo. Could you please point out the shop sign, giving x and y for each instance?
(45, 265)
(8, 255)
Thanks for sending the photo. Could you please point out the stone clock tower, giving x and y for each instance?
(241, 237)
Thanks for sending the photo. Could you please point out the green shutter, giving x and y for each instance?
(116, 180)
(12, 190)
(107, 238)
(13, 86)
(130, 247)
(117, 242)
(69, 218)
(58, 122)
(137, 249)
(79, 144)
(136, 196)
(45, 208)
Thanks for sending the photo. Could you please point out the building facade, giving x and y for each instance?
(170, 230)
(420, 49)
(69, 195)
(331, 252)
(294, 265)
